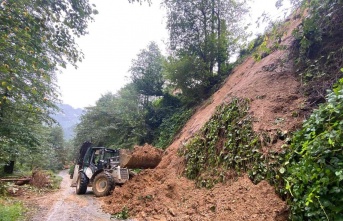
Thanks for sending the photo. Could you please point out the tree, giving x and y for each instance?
(146, 71)
(122, 120)
(189, 74)
(18, 129)
(37, 37)
(131, 116)
(97, 121)
(49, 154)
(208, 29)
(55, 139)
(204, 33)
(116, 120)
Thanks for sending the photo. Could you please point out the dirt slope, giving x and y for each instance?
(164, 194)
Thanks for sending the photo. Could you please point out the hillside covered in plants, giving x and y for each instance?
(259, 138)
(245, 153)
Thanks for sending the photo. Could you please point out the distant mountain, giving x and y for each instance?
(68, 118)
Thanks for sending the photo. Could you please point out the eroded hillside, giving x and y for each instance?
(275, 104)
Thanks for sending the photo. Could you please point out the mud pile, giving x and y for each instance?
(40, 179)
(158, 195)
(141, 157)
(164, 194)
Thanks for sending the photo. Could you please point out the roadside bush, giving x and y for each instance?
(3, 189)
(71, 171)
(55, 180)
(314, 167)
(10, 211)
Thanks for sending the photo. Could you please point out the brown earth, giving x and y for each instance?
(142, 157)
(276, 105)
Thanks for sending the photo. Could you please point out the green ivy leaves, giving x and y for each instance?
(315, 170)
(225, 146)
(171, 126)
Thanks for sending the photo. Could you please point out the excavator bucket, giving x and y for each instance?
(141, 157)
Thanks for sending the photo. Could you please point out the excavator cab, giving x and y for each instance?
(97, 158)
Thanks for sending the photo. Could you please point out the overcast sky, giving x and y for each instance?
(118, 34)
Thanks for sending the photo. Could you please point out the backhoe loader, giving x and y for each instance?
(103, 168)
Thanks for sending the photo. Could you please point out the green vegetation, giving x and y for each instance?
(308, 173)
(123, 215)
(318, 47)
(37, 39)
(310, 170)
(146, 72)
(269, 42)
(314, 166)
(202, 37)
(133, 114)
(226, 147)
(225, 143)
(155, 105)
(50, 154)
(250, 48)
(11, 210)
(143, 111)
(171, 126)
(55, 180)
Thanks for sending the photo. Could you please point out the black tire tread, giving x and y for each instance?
(109, 187)
(82, 183)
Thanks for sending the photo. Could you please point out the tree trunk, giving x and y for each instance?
(219, 41)
(8, 168)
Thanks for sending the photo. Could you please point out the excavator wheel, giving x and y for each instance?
(103, 184)
(81, 184)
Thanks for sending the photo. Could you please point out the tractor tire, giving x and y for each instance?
(103, 184)
(81, 184)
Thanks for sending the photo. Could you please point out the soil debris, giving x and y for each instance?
(40, 179)
(142, 157)
(164, 193)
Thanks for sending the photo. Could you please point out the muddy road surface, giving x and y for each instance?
(65, 205)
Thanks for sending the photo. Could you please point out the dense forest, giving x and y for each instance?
(152, 108)
(37, 40)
